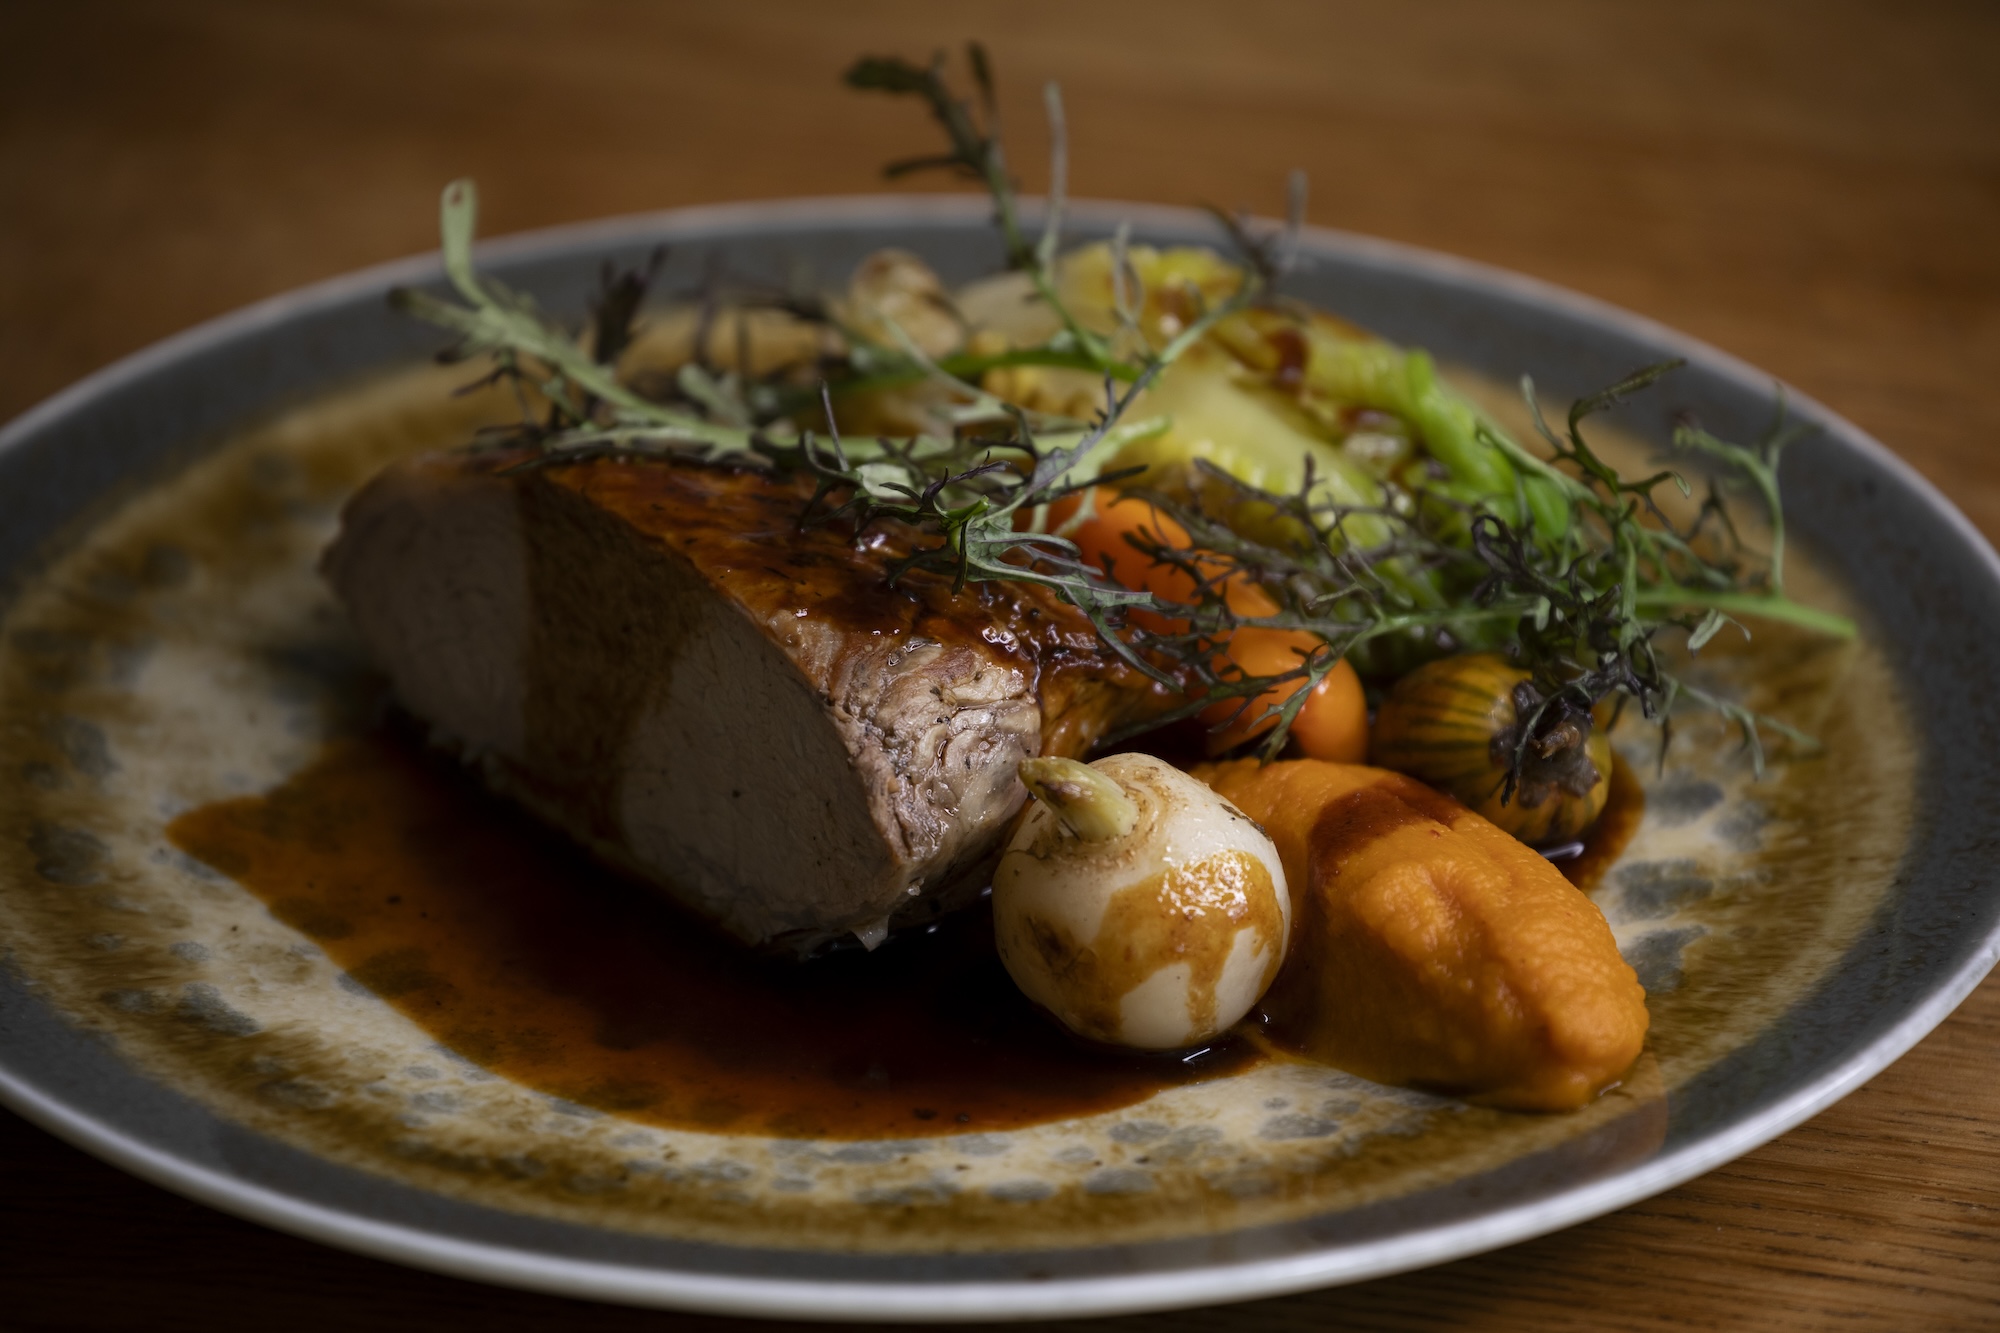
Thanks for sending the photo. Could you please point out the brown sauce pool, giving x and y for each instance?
(520, 954)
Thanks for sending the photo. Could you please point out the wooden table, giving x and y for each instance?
(1812, 186)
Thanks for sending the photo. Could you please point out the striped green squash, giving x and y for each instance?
(1450, 723)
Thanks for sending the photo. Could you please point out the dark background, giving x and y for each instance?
(1814, 187)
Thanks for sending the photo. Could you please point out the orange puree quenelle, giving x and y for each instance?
(1430, 949)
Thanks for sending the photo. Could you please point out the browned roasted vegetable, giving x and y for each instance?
(1456, 724)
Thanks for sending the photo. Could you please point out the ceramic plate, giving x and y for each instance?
(167, 646)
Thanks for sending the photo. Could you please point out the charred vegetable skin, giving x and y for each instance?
(1462, 725)
(1430, 949)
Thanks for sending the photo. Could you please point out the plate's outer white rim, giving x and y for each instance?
(1018, 1299)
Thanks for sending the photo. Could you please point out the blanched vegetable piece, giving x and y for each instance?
(894, 297)
(1223, 413)
(1166, 288)
(1234, 422)
(1106, 536)
(1333, 721)
(894, 302)
(757, 343)
(1371, 373)
(1228, 419)
(1331, 724)
(1136, 905)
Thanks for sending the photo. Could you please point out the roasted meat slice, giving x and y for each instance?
(658, 659)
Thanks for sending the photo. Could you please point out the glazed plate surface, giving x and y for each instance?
(167, 645)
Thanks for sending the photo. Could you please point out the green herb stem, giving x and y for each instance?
(1559, 560)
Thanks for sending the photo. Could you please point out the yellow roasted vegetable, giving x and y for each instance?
(1230, 399)
(1455, 724)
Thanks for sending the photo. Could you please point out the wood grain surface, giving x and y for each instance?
(1814, 187)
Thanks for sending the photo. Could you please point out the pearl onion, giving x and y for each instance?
(1136, 905)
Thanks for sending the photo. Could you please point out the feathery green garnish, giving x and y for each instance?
(1473, 542)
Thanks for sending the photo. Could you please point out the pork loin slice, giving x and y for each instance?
(655, 658)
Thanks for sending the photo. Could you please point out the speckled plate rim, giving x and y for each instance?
(68, 1112)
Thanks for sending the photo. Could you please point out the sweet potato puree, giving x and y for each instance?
(1430, 949)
